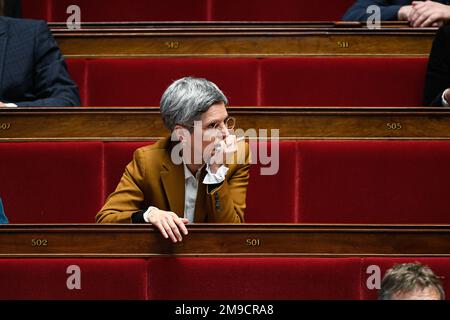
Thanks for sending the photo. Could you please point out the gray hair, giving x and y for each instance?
(186, 99)
(408, 277)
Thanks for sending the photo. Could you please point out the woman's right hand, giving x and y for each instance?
(168, 223)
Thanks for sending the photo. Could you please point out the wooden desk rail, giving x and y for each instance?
(238, 39)
(294, 123)
(224, 240)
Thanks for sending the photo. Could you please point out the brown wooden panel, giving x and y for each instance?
(224, 240)
(80, 123)
(293, 123)
(239, 39)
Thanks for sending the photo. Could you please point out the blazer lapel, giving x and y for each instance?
(173, 181)
(172, 177)
(3, 39)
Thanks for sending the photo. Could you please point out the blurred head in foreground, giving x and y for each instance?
(411, 281)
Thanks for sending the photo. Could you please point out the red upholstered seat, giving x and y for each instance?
(374, 182)
(440, 266)
(272, 198)
(47, 279)
(252, 82)
(254, 278)
(342, 81)
(118, 10)
(318, 181)
(77, 70)
(141, 82)
(36, 9)
(117, 156)
(264, 278)
(283, 10)
(192, 10)
(51, 182)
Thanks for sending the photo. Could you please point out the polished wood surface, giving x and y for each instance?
(224, 240)
(240, 39)
(24, 124)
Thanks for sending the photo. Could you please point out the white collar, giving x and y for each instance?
(188, 174)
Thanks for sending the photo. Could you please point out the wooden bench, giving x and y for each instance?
(251, 39)
(120, 124)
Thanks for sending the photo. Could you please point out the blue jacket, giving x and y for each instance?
(3, 219)
(32, 69)
(388, 8)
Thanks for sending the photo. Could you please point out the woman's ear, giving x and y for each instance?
(181, 133)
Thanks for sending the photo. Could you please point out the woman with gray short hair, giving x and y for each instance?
(198, 174)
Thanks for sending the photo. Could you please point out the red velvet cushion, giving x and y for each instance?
(342, 81)
(51, 182)
(284, 10)
(440, 266)
(271, 198)
(141, 82)
(77, 70)
(117, 156)
(254, 278)
(136, 10)
(374, 182)
(193, 10)
(47, 279)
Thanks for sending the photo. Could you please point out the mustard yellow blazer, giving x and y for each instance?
(152, 179)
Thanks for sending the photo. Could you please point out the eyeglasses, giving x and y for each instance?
(228, 123)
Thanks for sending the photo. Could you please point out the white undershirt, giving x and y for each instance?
(190, 192)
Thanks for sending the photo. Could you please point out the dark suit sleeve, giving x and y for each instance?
(53, 84)
(138, 217)
(438, 72)
(357, 12)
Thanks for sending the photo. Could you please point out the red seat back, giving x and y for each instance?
(273, 198)
(374, 182)
(283, 10)
(49, 182)
(117, 10)
(141, 82)
(342, 81)
(96, 279)
(193, 10)
(253, 278)
(77, 70)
